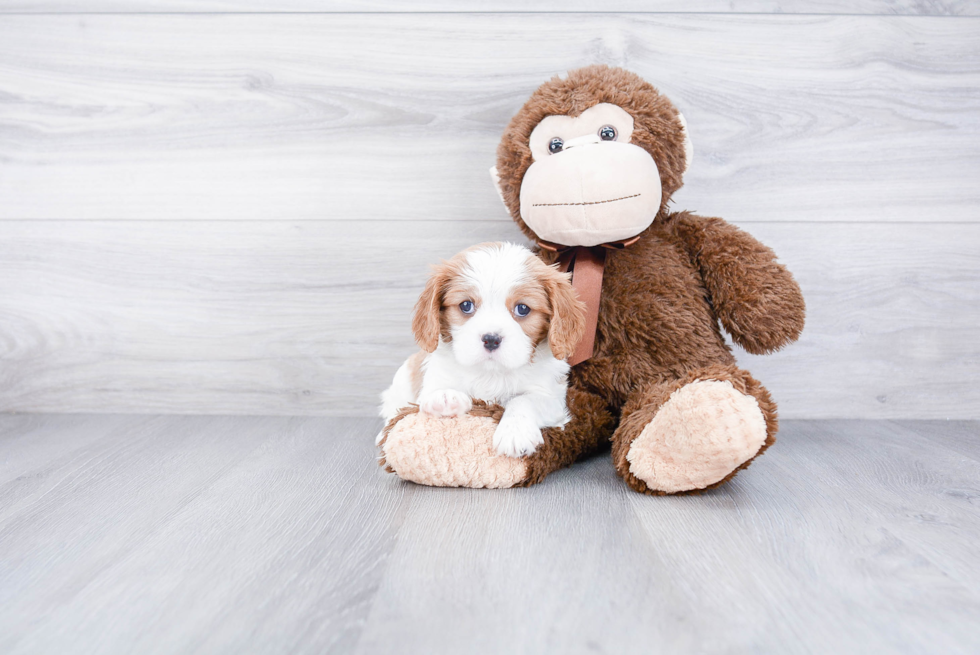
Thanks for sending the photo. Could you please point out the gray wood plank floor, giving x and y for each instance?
(242, 534)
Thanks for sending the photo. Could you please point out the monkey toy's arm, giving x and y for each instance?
(755, 297)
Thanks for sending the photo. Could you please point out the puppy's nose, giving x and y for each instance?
(492, 341)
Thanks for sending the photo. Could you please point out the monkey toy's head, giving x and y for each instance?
(592, 158)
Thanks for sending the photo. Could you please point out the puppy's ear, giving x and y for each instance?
(567, 314)
(425, 322)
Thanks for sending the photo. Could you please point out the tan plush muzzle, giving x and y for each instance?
(592, 192)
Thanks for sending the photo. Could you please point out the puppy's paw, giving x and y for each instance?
(516, 437)
(445, 402)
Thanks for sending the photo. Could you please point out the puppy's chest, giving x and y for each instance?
(501, 386)
(497, 387)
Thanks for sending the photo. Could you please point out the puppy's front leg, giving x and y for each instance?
(445, 402)
(519, 431)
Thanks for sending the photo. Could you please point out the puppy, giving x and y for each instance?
(494, 323)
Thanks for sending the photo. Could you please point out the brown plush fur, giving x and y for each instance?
(656, 126)
(662, 297)
(588, 432)
(665, 298)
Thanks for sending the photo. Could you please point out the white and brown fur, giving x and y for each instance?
(525, 372)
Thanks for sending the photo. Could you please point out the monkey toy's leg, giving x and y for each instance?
(589, 430)
(693, 433)
(458, 452)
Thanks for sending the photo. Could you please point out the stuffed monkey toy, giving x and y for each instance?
(586, 169)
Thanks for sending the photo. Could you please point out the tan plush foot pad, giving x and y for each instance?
(449, 452)
(704, 431)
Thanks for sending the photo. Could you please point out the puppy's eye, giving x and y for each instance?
(607, 133)
(466, 306)
(556, 145)
(522, 310)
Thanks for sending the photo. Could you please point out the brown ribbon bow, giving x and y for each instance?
(586, 264)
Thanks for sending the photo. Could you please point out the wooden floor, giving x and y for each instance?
(146, 534)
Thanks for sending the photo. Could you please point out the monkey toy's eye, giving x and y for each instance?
(556, 145)
(466, 306)
(607, 133)
(522, 310)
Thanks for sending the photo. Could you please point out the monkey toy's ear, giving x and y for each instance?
(688, 146)
(495, 176)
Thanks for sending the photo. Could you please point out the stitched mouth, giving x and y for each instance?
(575, 204)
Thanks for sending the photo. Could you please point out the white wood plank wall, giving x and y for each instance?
(211, 207)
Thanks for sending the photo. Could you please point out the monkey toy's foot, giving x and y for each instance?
(449, 451)
(694, 435)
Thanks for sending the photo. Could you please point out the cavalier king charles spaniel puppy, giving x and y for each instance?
(494, 323)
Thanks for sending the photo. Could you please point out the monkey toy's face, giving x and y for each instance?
(600, 171)
(588, 184)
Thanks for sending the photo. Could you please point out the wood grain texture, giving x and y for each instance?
(380, 116)
(243, 318)
(233, 213)
(233, 534)
(836, 510)
(885, 7)
(258, 535)
(313, 317)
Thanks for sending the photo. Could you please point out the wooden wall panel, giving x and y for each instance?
(313, 317)
(233, 212)
(397, 116)
(880, 7)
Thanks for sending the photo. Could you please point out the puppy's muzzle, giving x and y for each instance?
(492, 341)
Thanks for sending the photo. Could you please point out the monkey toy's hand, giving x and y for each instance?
(755, 297)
